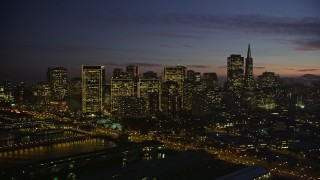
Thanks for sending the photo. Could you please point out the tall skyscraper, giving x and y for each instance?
(150, 74)
(211, 80)
(57, 77)
(268, 80)
(42, 92)
(176, 74)
(76, 86)
(248, 76)
(188, 92)
(149, 92)
(170, 99)
(93, 79)
(268, 93)
(107, 97)
(235, 72)
(191, 75)
(132, 72)
(2, 94)
(20, 93)
(188, 89)
(75, 94)
(118, 73)
(8, 90)
(120, 88)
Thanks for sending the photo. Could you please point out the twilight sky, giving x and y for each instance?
(201, 34)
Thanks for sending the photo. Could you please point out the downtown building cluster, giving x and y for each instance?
(178, 91)
(131, 94)
(263, 111)
(248, 116)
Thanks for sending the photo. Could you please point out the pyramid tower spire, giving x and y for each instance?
(248, 75)
(249, 52)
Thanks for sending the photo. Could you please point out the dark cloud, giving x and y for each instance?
(289, 69)
(198, 66)
(256, 67)
(305, 70)
(302, 44)
(98, 49)
(302, 70)
(306, 26)
(114, 64)
(173, 46)
(259, 67)
(136, 59)
(176, 35)
(46, 48)
(308, 45)
(148, 64)
(137, 64)
(167, 46)
(187, 46)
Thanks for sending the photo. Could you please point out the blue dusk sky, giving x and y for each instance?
(200, 34)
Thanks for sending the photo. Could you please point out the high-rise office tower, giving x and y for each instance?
(149, 92)
(197, 76)
(176, 74)
(124, 88)
(170, 99)
(107, 97)
(189, 84)
(75, 94)
(235, 75)
(248, 75)
(8, 90)
(268, 80)
(93, 79)
(172, 90)
(132, 72)
(19, 93)
(210, 76)
(76, 86)
(118, 73)
(120, 88)
(2, 94)
(267, 96)
(150, 74)
(211, 80)
(42, 92)
(191, 75)
(188, 92)
(57, 77)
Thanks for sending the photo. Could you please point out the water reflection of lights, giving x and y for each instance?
(54, 150)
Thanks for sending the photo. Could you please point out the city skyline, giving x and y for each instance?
(184, 89)
(36, 35)
(158, 72)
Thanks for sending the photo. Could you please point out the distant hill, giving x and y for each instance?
(310, 77)
(304, 79)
